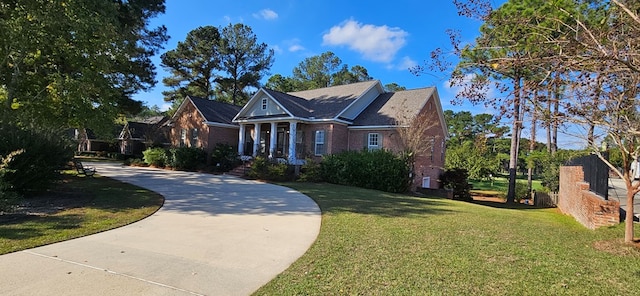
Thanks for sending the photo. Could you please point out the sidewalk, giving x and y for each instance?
(215, 235)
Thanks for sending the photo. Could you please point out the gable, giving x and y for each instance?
(397, 108)
(210, 111)
(262, 105)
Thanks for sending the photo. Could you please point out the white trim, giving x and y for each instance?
(217, 124)
(253, 100)
(298, 119)
(377, 85)
(377, 127)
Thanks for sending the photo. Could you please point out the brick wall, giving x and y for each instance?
(586, 207)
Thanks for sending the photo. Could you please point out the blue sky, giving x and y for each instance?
(386, 37)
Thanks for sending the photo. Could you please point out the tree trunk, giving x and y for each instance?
(556, 106)
(513, 152)
(628, 223)
(532, 147)
(547, 122)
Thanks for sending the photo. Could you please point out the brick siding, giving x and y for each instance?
(586, 207)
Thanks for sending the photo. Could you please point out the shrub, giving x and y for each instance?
(155, 157)
(457, 179)
(378, 169)
(264, 169)
(224, 157)
(186, 158)
(522, 191)
(8, 198)
(311, 171)
(46, 152)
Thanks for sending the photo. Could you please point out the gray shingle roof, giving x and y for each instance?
(299, 107)
(394, 108)
(214, 111)
(328, 102)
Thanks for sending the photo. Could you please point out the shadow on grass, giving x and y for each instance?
(338, 199)
(504, 205)
(26, 227)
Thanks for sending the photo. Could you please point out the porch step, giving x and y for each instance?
(241, 170)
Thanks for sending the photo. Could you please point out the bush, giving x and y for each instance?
(46, 152)
(457, 179)
(8, 198)
(264, 169)
(186, 158)
(224, 157)
(378, 169)
(522, 192)
(311, 171)
(155, 157)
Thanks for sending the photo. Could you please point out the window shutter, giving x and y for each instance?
(365, 142)
(380, 141)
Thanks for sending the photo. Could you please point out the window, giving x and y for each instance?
(442, 151)
(183, 137)
(319, 146)
(194, 137)
(374, 141)
(264, 104)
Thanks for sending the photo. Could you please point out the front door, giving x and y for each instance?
(282, 142)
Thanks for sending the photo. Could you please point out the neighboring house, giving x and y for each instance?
(204, 123)
(89, 142)
(139, 134)
(313, 123)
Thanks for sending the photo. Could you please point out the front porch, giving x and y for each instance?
(273, 140)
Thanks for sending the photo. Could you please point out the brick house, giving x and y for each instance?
(203, 123)
(309, 124)
(139, 134)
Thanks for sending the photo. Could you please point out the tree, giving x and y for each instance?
(393, 87)
(319, 71)
(283, 84)
(75, 63)
(243, 62)
(193, 65)
(509, 54)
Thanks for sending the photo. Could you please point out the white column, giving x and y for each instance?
(273, 139)
(241, 140)
(256, 139)
(292, 142)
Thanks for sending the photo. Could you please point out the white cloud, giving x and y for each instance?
(277, 49)
(375, 43)
(296, 47)
(407, 63)
(266, 14)
(165, 107)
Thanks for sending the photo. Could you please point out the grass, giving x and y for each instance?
(499, 185)
(376, 243)
(77, 207)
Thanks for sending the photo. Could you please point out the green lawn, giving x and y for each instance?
(375, 243)
(499, 185)
(90, 205)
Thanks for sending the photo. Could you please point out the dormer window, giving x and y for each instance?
(264, 103)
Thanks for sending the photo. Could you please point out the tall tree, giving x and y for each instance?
(193, 65)
(507, 55)
(319, 71)
(244, 61)
(75, 63)
(605, 86)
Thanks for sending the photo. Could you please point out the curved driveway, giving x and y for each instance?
(215, 235)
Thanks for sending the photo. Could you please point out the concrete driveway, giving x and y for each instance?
(215, 235)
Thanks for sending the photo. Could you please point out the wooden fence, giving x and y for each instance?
(546, 200)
